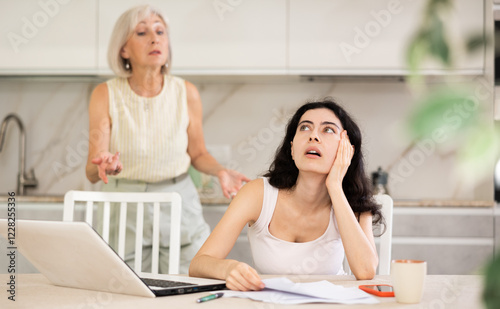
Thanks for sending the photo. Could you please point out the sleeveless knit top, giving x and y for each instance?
(322, 256)
(149, 133)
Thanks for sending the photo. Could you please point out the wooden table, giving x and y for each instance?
(35, 291)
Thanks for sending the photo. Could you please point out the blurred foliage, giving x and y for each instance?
(446, 107)
(475, 42)
(430, 39)
(491, 291)
(436, 112)
(451, 113)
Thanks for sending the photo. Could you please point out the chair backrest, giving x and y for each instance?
(139, 198)
(385, 243)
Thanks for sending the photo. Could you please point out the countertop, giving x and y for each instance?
(225, 201)
(443, 203)
(33, 198)
(397, 203)
(440, 291)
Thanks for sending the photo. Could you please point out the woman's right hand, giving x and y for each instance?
(345, 152)
(107, 164)
(242, 277)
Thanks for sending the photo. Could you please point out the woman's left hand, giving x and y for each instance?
(345, 152)
(231, 182)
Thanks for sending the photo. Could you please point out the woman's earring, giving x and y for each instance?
(127, 65)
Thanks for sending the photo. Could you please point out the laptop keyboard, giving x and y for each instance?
(165, 283)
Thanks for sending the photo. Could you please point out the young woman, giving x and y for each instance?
(314, 204)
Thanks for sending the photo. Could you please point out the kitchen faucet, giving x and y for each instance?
(23, 180)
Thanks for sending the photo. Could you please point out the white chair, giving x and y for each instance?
(385, 243)
(105, 198)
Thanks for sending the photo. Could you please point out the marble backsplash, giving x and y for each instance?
(243, 125)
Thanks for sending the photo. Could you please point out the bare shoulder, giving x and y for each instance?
(249, 199)
(192, 92)
(101, 90)
(99, 99)
(254, 186)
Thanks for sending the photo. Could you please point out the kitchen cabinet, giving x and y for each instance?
(234, 37)
(213, 37)
(48, 37)
(453, 240)
(340, 38)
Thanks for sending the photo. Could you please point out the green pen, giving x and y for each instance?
(209, 297)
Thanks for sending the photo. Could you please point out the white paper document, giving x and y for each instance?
(284, 291)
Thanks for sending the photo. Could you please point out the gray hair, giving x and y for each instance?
(123, 30)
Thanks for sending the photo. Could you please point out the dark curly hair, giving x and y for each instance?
(283, 172)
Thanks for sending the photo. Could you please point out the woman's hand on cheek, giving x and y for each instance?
(345, 152)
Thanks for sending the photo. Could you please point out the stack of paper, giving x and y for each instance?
(283, 291)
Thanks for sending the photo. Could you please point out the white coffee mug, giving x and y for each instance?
(408, 277)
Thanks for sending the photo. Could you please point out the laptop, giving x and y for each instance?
(73, 254)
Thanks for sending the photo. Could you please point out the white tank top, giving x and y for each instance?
(322, 256)
(149, 133)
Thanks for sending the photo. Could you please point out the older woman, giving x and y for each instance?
(146, 130)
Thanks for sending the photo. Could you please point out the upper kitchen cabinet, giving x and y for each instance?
(213, 37)
(48, 37)
(371, 37)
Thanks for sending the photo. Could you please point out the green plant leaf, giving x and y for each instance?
(476, 43)
(491, 291)
(443, 111)
(438, 46)
(439, 4)
(430, 39)
(416, 52)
